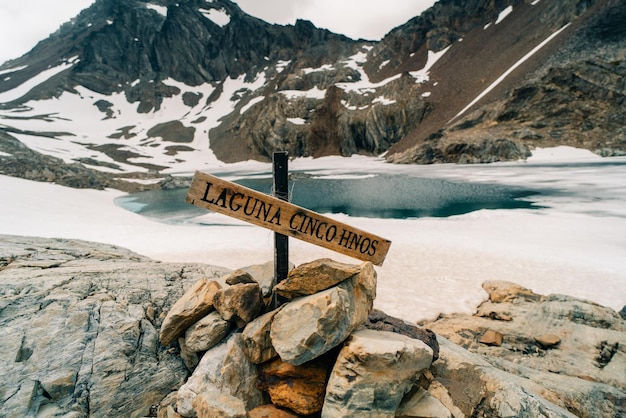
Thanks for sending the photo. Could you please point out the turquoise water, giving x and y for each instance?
(380, 196)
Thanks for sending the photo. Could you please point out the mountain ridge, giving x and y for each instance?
(161, 87)
(487, 121)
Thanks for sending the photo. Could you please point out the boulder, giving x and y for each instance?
(270, 411)
(189, 356)
(584, 374)
(264, 275)
(373, 372)
(240, 303)
(380, 321)
(257, 342)
(502, 291)
(223, 369)
(207, 332)
(313, 277)
(298, 388)
(193, 305)
(218, 405)
(476, 388)
(312, 325)
(239, 277)
(80, 328)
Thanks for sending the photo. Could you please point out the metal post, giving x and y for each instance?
(281, 242)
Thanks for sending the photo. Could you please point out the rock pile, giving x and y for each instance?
(323, 352)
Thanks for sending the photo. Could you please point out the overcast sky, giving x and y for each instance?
(23, 23)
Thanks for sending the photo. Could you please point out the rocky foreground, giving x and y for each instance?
(95, 330)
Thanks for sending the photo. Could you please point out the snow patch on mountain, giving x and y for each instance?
(314, 93)
(365, 85)
(162, 10)
(357, 60)
(509, 71)
(251, 103)
(219, 17)
(40, 78)
(422, 76)
(14, 69)
(504, 13)
(325, 67)
(297, 121)
(281, 65)
(383, 100)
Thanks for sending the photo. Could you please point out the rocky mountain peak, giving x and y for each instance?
(156, 86)
(117, 42)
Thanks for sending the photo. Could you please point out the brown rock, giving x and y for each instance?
(264, 276)
(548, 340)
(218, 405)
(270, 411)
(428, 374)
(299, 388)
(239, 277)
(193, 305)
(313, 277)
(240, 303)
(380, 321)
(502, 291)
(207, 332)
(491, 337)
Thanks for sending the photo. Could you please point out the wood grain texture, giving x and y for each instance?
(221, 196)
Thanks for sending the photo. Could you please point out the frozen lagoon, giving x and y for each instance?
(574, 244)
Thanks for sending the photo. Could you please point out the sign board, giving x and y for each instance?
(240, 202)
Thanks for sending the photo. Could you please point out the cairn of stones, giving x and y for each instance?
(323, 352)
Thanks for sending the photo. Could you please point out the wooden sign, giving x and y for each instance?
(240, 202)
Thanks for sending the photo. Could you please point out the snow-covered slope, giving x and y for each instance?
(106, 132)
(163, 87)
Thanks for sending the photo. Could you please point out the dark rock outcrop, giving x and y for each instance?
(571, 92)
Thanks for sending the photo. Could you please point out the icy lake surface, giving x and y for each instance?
(371, 196)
